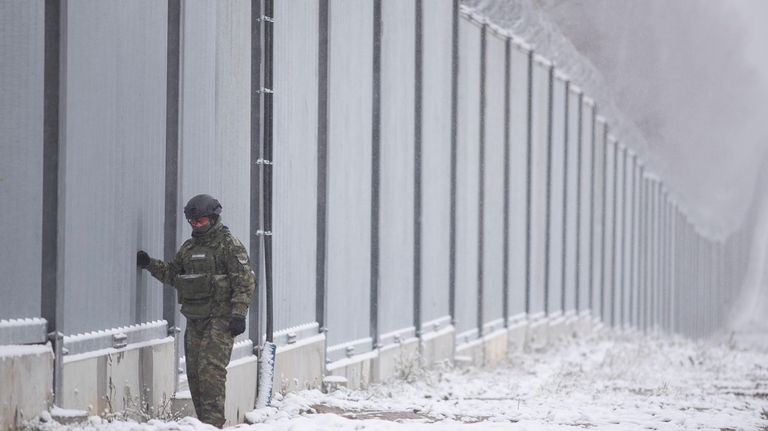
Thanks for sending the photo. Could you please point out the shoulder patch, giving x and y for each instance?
(242, 258)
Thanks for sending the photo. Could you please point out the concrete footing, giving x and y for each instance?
(557, 329)
(357, 369)
(495, 347)
(242, 375)
(516, 335)
(398, 360)
(438, 347)
(119, 380)
(537, 336)
(470, 353)
(300, 365)
(26, 373)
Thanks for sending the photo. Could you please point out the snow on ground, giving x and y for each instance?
(609, 381)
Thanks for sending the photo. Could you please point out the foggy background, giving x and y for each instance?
(687, 80)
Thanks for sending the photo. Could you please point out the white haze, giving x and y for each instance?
(684, 81)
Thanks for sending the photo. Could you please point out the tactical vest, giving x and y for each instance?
(203, 286)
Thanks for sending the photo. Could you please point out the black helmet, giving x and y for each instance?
(202, 205)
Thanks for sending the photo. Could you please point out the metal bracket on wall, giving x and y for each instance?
(265, 162)
(265, 91)
(265, 18)
(265, 233)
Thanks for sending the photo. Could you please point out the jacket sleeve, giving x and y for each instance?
(166, 272)
(242, 280)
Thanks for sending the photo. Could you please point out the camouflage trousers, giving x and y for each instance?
(208, 347)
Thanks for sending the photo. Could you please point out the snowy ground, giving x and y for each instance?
(611, 381)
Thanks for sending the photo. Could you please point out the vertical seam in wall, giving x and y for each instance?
(322, 168)
(417, 138)
(529, 185)
(644, 236)
(651, 256)
(614, 207)
(171, 154)
(507, 121)
(592, 193)
(52, 103)
(454, 156)
(657, 254)
(663, 259)
(633, 208)
(267, 166)
(548, 196)
(603, 236)
(254, 318)
(564, 246)
(580, 130)
(622, 265)
(481, 179)
(375, 172)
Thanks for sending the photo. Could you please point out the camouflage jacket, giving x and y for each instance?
(211, 274)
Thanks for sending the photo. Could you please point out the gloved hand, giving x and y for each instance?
(236, 325)
(142, 259)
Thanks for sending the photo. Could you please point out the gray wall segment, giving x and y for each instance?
(627, 237)
(609, 255)
(215, 111)
(436, 158)
(22, 51)
(349, 169)
(599, 163)
(518, 172)
(115, 125)
(586, 207)
(539, 180)
(619, 225)
(493, 178)
(295, 157)
(572, 203)
(556, 197)
(467, 175)
(397, 160)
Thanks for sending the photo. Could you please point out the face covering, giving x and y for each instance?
(203, 230)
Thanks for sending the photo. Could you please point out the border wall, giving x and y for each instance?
(441, 192)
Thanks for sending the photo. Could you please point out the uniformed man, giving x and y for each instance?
(214, 282)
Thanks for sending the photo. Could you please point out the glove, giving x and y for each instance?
(237, 325)
(142, 259)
